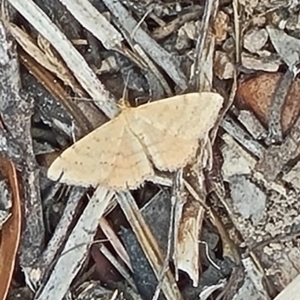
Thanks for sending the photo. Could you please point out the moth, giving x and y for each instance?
(124, 152)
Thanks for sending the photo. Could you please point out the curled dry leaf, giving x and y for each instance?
(221, 26)
(187, 246)
(10, 233)
(121, 153)
(257, 92)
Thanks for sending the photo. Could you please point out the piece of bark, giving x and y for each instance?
(149, 245)
(16, 111)
(75, 250)
(43, 265)
(143, 274)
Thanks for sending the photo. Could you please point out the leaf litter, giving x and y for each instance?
(229, 176)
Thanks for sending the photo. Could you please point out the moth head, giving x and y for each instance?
(123, 103)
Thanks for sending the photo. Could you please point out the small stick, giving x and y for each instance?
(282, 90)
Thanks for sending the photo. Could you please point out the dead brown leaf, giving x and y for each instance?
(256, 94)
(10, 234)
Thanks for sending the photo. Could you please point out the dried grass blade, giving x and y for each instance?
(77, 64)
(91, 19)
